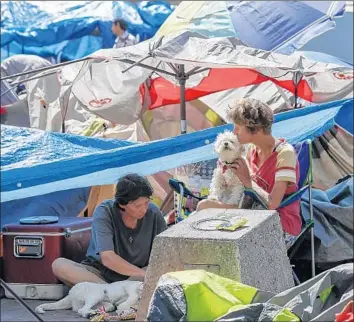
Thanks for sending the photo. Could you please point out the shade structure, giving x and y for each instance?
(35, 162)
(188, 58)
(210, 65)
(278, 26)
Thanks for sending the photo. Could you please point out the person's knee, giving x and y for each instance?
(59, 266)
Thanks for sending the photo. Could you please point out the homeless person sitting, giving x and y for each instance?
(272, 163)
(123, 230)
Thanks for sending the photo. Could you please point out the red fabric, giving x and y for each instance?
(303, 89)
(222, 166)
(347, 315)
(163, 92)
(264, 176)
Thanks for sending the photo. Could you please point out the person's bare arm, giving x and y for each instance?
(207, 203)
(273, 199)
(116, 263)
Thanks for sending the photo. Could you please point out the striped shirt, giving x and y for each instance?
(281, 165)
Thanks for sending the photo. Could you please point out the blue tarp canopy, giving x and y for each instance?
(81, 29)
(36, 162)
(340, 38)
(333, 216)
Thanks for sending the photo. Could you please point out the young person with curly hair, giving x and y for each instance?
(272, 163)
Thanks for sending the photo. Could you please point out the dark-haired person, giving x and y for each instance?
(120, 30)
(123, 230)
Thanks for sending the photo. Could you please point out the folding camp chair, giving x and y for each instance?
(304, 156)
(184, 192)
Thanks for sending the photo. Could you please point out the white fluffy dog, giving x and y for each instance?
(225, 186)
(84, 296)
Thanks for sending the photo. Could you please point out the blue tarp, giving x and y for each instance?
(35, 162)
(282, 26)
(340, 39)
(333, 216)
(66, 203)
(76, 32)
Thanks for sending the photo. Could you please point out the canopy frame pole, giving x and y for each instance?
(197, 70)
(147, 67)
(312, 238)
(282, 94)
(182, 77)
(136, 63)
(296, 79)
(14, 85)
(172, 67)
(46, 68)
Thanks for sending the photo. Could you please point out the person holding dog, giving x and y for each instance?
(123, 230)
(272, 163)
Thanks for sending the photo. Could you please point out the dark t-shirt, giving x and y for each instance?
(110, 233)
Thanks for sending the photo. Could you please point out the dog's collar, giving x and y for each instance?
(223, 165)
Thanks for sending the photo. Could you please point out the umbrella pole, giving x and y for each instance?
(182, 86)
(296, 79)
(295, 96)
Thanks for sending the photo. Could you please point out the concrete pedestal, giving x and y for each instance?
(254, 254)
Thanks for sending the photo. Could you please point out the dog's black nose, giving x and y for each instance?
(226, 143)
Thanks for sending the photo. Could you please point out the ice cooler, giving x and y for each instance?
(30, 249)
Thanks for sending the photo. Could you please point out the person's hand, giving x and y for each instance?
(242, 171)
(142, 273)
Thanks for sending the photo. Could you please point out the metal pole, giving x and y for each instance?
(29, 79)
(136, 63)
(295, 97)
(182, 88)
(47, 68)
(18, 299)
(313, 268)
(154, 69)
(286, 100)
(180, 204)
(296, 79)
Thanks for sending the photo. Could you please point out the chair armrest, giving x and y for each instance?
(175, 186)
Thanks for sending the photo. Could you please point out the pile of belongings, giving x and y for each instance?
(197, 295)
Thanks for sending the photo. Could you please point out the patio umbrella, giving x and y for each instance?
(267, 92)
(273, 26)
(276, 26)
(206, 47)
(107, 84)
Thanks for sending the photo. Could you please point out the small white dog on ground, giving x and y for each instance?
(84, 296)
(225, 186)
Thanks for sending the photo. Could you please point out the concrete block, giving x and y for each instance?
(254, 254)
